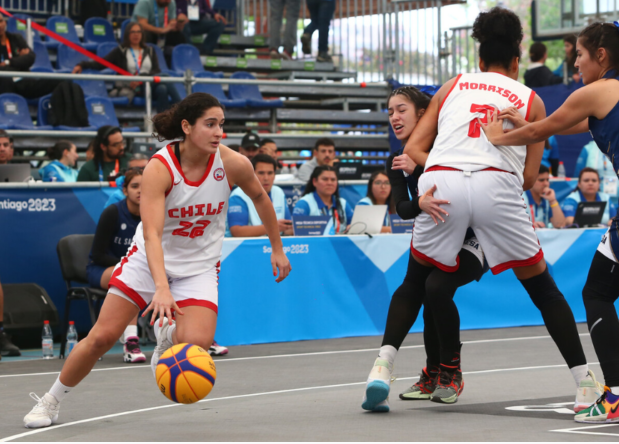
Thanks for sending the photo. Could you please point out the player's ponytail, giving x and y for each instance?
(499, 33)
(168, 124)
(602, 35)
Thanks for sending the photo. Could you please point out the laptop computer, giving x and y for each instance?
(368, 170)
(367, 219)
(14, 172)
(349, 170)
(589, 214)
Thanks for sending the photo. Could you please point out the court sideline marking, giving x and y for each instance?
(582, 430)
(251, 395)
(250, 358)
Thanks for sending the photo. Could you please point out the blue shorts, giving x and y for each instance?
(94, 273)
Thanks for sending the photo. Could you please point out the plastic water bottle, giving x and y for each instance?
(71, 338)
(561, 171)
(285, 169)
(47, 341)
(293, 169)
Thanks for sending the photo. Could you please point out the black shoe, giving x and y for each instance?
(7, 348)
(324, 57)
(306, 44)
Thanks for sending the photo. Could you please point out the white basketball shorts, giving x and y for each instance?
(132, 280)
(490, 202)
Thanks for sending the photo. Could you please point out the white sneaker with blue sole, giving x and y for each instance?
(376, 398)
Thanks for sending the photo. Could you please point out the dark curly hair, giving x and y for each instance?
(499, 33)
(602, 35)
(168, 124)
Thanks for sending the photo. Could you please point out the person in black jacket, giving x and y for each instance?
(134, 56)
(539, 74)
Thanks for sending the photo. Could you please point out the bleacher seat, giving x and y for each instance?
(41, 62)
(96, 88)
(251, 93)
(101, 112)
(163, 65)
(105, 48)
(65, 27)
(186, 57)
(68, 58)
(98, 30)
(14, 113)
(15, 26)
(123, 25)
(216, 90)
(42, 117)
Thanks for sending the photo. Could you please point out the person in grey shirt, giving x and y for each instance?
(323, 154)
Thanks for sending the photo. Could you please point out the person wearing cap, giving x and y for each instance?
(324, 154)
(250, 145)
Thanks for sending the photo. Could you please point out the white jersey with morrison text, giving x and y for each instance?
(195, 217)
(461, 143)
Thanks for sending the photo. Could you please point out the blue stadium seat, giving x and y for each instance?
(14, 113)
(68, 58)
(43, 120)
(251, 93)
(101, 112)
(186, 57)
(41, 62)
(216, 90)
(105, 48)
(98, 30)
(96, 88)
(123, 25)
(15, 26)
(163, 65)
(65, 27)
(141, 102)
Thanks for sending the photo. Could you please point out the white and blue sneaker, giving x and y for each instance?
(161, 333)
(376, 398)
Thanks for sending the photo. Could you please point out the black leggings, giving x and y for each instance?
(409, 297)
(599, 296)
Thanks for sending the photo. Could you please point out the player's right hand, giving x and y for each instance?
(163, 304)
(513, 116)
(432, 206)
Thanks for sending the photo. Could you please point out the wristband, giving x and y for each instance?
(556, 204)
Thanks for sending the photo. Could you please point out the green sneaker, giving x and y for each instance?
(422, 389)
(449, 385)
(605, 410)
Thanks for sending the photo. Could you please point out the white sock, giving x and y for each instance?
(614, 390)
(131, 330)
(171, 330)
(59, 390)
(388, 353)
(579, 373)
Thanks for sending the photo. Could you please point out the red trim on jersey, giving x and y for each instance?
(167, 165)
(197, 303)
(442, 168)
(209, 165)
(116, 282)
(531, 97)
(514, 264)
(445, 268)
(449, 92)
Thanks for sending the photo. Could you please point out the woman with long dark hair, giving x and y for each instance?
(379, 193)
(62, 167)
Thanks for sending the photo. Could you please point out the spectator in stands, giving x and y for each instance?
(591, 156)
(113, 237)
(90, 151)
(324, 154)
(250, 145)
(135, 56)
(275, 27)
(269, 147)
(62, 167)
(7, 348)
(243, 219)
(569, 45)
(109, 158)
(6, 148)
(321, 13)
(158, 20)
(538, 73)
(92, 8)
(321, 198)
(587, 190)
(139, 161)
(551, 157)
(199, 18)
(379, 193)
(541, 203)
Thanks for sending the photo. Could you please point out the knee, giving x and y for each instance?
(591, 295)
(101, 341)
(220, 27)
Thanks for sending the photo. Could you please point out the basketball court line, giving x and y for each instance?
(251, 395)
(293, 355)
(583, 430)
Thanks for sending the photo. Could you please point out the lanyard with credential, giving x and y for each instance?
(116, 170)
(138, 60)
(165, 15)
(8, 49)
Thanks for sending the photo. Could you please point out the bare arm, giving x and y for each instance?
(535, 151)
(148, 27)
(579, 128)
(248, 230)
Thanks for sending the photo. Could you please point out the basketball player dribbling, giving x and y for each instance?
(173, 263)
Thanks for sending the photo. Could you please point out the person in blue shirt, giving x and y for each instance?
(243, 219)
(321, 198)
(591, 156)
(61, 168)
(541, 203)
(588, 190)
(379, 193)
(550, 158)
(113, 237)
(138, 160)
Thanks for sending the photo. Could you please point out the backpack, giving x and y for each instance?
(67, 106)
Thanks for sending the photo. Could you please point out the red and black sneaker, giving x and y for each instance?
(448, 387)
(422, 389)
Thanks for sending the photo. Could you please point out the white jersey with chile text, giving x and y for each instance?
(461, 143)
(195, 217)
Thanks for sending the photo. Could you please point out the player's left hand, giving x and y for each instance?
(280, 262)
(404, 163)
(549, 195)
(494, 127)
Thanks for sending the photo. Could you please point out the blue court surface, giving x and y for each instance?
(517, 388)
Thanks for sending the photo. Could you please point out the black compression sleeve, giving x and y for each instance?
(104, 236)
(405, 208)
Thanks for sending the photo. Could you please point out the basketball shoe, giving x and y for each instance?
(376, 398)
(217, 350)
(605, 410)
(163, 343)
(132, 352)
(589, 391)
(422, 389)
(449, 385)
(44, 414)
